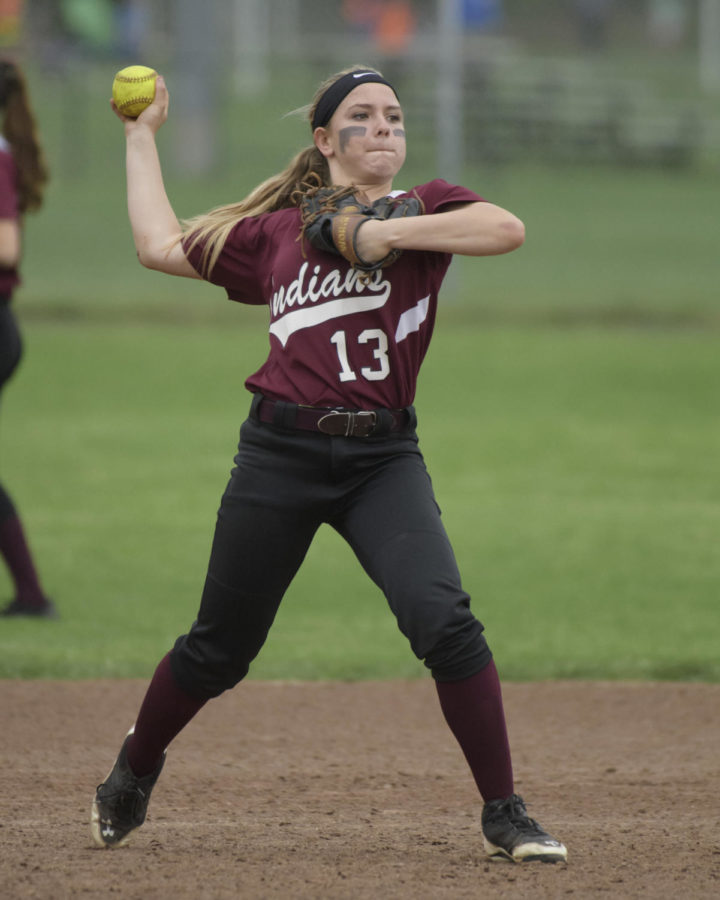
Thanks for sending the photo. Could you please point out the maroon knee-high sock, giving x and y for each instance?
(164, 713)
(16, 553)
(473, 709)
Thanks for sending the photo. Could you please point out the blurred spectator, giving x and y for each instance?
(90, 22)
(362, 15)
(482, 14)
(10, 16)
(391, 23)
(395, 26)
(593, 19)
(130, 22)
(667, 22)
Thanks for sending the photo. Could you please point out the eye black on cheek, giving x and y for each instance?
(399, 132)
(350, 132)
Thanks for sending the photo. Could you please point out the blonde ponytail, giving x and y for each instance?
(212, 229)
(280, 191)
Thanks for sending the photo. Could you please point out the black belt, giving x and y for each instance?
(339, 422)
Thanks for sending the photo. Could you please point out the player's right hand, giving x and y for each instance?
(154, 115)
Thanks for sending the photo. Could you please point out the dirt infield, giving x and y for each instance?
(330, 790)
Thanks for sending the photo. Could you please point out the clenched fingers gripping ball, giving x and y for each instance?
(133, 89)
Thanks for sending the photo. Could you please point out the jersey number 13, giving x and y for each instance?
(380, 353)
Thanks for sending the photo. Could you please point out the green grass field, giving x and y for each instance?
(577, 470)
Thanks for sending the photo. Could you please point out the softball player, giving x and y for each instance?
(330, 436)
(22, 179)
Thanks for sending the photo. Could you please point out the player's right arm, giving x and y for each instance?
(155, 227)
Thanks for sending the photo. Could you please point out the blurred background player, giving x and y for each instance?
(23, 175)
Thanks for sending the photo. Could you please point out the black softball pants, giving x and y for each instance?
(377, 494)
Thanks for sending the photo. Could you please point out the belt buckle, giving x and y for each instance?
(348, 424)
(366, 420)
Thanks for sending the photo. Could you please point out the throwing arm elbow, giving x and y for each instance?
(166, 257)
(150, 259)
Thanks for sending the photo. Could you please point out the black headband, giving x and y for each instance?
(338, 91)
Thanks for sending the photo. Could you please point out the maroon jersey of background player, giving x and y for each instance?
(9, 210)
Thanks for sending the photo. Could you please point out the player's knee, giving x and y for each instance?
(206, 671)
(442, 630)
(228, 634)
(459, 654)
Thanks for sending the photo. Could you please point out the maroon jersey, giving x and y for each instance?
(8, 210)
(334, 339)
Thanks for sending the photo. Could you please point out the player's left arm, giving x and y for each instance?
(9, 243)
(469, 229)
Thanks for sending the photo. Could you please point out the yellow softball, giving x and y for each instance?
(133, 89)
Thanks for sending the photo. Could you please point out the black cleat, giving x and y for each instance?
(509, 833)
(121, 802)
(45, 610)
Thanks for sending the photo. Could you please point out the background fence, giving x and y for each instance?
(633, 83)
(597, 122)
